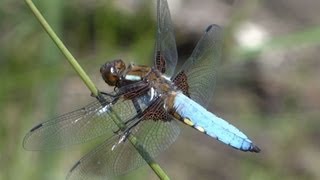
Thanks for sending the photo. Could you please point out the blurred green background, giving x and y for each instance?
(268, 82)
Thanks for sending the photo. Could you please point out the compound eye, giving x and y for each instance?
(112, 71)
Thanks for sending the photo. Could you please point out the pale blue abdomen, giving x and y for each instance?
(195, 115)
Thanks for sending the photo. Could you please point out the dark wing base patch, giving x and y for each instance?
(181, 81)
(160, 62)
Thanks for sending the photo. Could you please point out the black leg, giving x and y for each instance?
(127, 131)
(108, 94)
(126, 123)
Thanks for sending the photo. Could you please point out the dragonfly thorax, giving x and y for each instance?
(115, 73)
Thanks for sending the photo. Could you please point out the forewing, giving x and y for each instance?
(107, 161)
(166, 55)
(198, 74)
(79, 126)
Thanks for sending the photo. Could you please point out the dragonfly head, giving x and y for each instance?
(111, 72)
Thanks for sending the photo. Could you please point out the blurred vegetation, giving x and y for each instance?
(272, 92)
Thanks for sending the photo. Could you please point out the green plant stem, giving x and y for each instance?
(85, 78)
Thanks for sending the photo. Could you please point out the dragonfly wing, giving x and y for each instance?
(154, 136)
(166, 55)
(109, 160)
(157, 136)
(78, 126)
(99, 163)
(198, 74)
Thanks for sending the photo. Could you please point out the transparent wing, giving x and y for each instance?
(105, 161)
(79, 126)
(198, 74)
(166, 55)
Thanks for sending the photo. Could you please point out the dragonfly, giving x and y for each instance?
(147, 102)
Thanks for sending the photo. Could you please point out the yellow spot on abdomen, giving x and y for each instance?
(200, 129)
(188, 121)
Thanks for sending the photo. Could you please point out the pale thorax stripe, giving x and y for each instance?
(132, 77)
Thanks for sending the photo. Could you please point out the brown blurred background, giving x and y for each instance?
(268, 83)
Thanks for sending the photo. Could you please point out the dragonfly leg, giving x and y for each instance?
(102, 100)
(126, 123)
(125, 134)
(121, 139)
(133, 125)
(130, 120)
(108, 94)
